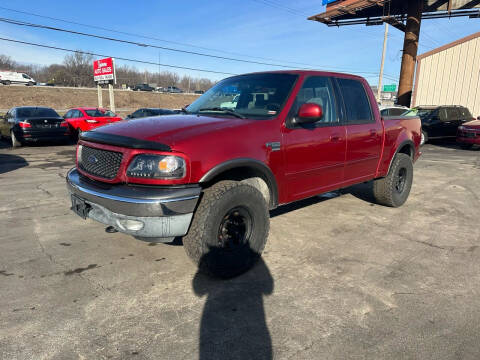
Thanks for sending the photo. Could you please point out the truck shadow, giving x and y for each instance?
(233, 324)
(11, 163)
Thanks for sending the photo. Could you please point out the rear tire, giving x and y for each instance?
(229, 229)
(7, 82)
(393, 190)
(15, 142)
(466, 146)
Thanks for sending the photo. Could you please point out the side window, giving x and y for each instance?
(356, 102)
(384, 112)
(465, 113)
(452, 114)
(317, 90)
(68, 115)
(78, 114)
(397, 112)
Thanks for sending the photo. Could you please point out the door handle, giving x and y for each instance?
(447, 122)
(335, 138)
(373, 132)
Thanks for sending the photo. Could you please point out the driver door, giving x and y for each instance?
(314, 153)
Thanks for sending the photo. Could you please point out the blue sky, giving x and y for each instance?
(249, 27)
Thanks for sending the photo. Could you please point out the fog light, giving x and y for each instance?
(132, 225)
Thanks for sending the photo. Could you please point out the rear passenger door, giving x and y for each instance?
(364, 133)
(315, 153)
(450, 122)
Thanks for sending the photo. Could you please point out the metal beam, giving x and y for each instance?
(410, 49)
(395, 23)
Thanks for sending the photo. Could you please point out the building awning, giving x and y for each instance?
(375, 12)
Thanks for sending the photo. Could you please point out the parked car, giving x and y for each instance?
(13, 77)
(199, 92)
(394, 110)
(84, 119)
(440, 121)
(468, 134)
(212, 174)
(146, 112)
(143, 87)
(26, 124)
(173, 89)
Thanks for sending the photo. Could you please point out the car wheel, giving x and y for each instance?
(393, 190)
(466, 146)
(7, 82)
(424, 139)
(229, 229)
(30, 83)
(15, 141)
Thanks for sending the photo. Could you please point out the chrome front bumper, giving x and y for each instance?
(148, 212)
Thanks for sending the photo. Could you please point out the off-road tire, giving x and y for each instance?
(15, 142)
(389, 191)
(424, 138)
(204, 244)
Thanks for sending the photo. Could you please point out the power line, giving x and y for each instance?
(116, 57)
(147, 37)
(23, 23)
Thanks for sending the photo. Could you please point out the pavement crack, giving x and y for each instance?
(39, 187)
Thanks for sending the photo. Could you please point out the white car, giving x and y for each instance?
(393, 110)
(12, 77)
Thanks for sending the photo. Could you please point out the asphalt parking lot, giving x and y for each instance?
(341, 278)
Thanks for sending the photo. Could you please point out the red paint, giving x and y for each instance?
(24, 124)
(103, 69)
(465, 136)
(310, 161)
(310, 111)
(86, 122)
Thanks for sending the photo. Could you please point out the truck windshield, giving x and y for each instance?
(258, 96)
(36, 112)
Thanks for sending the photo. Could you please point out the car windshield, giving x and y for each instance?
(96, 113)
(422, 113)
(36, 112)
(260, 96)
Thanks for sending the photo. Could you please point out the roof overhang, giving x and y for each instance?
(375, 12)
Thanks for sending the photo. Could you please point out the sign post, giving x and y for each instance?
(104, 73)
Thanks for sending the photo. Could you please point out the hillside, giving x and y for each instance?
(62, 99)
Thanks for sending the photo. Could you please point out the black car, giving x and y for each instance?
(30, 124)
(440, 121)
(146, 112)
(143, 87)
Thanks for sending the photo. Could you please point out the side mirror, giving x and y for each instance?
(309, 113)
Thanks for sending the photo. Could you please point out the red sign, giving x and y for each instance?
(104, 69)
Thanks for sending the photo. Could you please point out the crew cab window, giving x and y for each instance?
(356, 102)
(317, 90)
(452, 114)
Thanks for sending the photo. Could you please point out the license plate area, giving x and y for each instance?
(80, 207)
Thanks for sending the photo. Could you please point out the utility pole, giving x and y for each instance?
(380, 77)
(112, 97)
(100, 99)
(410, 49)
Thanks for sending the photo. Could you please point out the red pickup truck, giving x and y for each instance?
(212, 173)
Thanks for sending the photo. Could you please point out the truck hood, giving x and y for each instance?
(172, 129)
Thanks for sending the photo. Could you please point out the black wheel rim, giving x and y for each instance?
(401, 180)
(235, 229)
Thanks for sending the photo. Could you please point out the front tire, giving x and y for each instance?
(466, 146)
(393, 190)
(15, 142)
(229, 229)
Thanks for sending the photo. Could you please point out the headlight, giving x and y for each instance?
(157, 167)
(461, 128)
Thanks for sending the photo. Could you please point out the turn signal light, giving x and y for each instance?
(24, 124)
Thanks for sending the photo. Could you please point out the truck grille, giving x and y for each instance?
(97, 162)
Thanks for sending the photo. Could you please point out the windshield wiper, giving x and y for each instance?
(224, 110)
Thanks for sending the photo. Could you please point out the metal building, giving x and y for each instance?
(450, 75)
